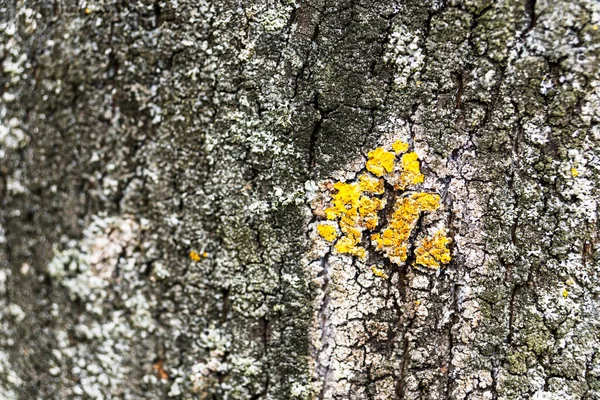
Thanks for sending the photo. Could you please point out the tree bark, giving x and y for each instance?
(164, 165)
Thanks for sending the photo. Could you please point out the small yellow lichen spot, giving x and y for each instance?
(411, 171)
(377, 272)
(400, 147)
(565, 293)
(595, 27)
(87, 10)
(570, 282)
(574, 172)
(380, 161)
(417, 302)
(434, 251)
(370, 184)
(327, 232)
(194, 255)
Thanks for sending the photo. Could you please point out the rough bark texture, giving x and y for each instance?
(134, 132)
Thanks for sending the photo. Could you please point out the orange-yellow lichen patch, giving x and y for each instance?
(160, 370)
(368, 209)
(411, 171)
(377, 272)
(348, 245)
(393, 239)
(355, 207)
(194, 255)
(344, 201)
(574, 172)
(370, 184)
(327, 232)
(433, 251)
(349, 206)
(565, 293)
(400, 147)
(380, 161)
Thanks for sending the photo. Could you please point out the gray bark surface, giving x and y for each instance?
(135, 133)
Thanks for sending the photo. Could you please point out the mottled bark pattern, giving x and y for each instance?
(132, 133)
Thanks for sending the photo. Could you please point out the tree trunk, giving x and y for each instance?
(165, 166)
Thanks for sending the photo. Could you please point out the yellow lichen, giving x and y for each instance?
(433, 251)
(380, 161)
(400, 147)
(327, 232)
(393, 239)
(370, 184)
(411, 171)
(377, 272)
(368, 209)
(194, 255)
(345, 204)
(347, 245)
(344, 201)
(574, 172)
(565, 293)
(355, 207)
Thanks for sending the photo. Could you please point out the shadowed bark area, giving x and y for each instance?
(162, 164)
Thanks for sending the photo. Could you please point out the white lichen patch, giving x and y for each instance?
(13, 381)
(536, 132)
(11, 135)
(88, 266)
(107, 255)
(405, 52)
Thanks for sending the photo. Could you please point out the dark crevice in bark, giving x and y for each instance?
(494, 373)
(265, 340)
(451, 339)
(225, 294)
(530, 10)
(314, 137)
(384, 43)
(511, 313)
(406, 318)
(309, 55)
(369, 375)
(157, 14)
(460, 79)
(323, 314)
(454, 320)
(400, 384)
